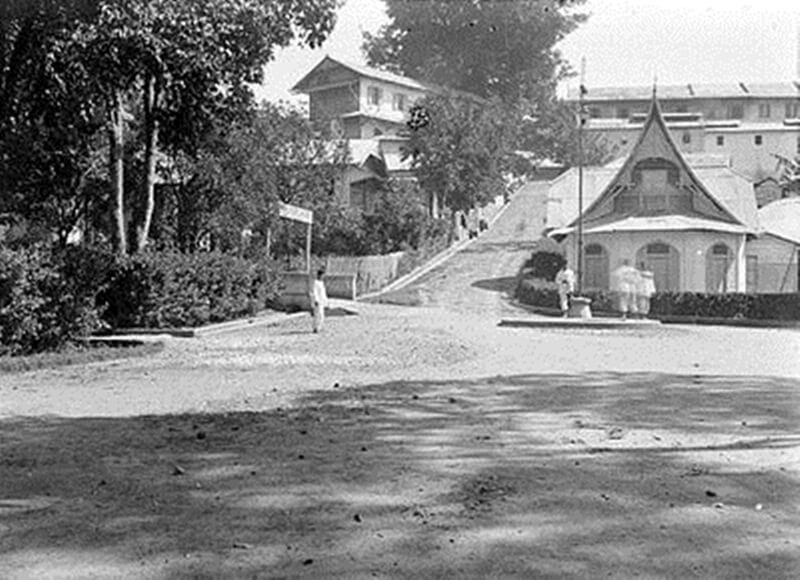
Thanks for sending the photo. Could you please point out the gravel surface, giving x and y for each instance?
(452, 334)
(413, 442)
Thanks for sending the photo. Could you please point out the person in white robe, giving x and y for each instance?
(565, 280)
(623, 286)
(645, 288)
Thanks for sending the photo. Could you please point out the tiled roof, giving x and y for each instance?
(690, 91)
(729, 188)
(782, 218)
(734, 191)
(395, 117)
(362, 149)
(661, 223)
(374, 73)
(378, 74)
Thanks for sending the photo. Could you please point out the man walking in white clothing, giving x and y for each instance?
(319, 301)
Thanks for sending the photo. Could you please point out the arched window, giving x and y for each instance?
(664, 261)
(595, 262)
(718, 263)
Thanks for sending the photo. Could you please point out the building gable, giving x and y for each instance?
(327, 73)
(655, 180)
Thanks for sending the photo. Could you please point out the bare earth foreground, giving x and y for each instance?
(422, 442)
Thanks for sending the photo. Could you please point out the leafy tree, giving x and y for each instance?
(49, 167)
(238, 174)
(553, 134)
(459, 150)
(493, 48)
(179, 58)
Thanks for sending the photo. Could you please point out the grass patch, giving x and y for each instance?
(75, 355)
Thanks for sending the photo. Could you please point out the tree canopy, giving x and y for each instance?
(502, 51)
(492, 48)
(459, 149)
(158, 74)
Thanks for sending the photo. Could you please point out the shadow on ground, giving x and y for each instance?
(506, 284)
(524, 476)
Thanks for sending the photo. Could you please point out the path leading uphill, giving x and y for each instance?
(480, 278)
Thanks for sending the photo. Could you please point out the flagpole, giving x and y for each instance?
(581, 92)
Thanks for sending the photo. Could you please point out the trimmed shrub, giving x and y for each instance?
(752, 306)
(539, 292)
(545, 265)
(46, 299)
(169, 289)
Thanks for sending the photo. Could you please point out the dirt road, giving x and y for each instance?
(422, 442)
(480, 278)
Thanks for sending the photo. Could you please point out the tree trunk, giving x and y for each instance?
(151, 142)
(117, 142)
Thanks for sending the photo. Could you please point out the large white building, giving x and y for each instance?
(370, 108)
(747, 123)
(688, 217)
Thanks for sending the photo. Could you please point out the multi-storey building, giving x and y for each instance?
(688, 217)
(357, 101)
(369, 108)
(751, 125)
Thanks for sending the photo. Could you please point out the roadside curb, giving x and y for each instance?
(265, 318)
(670, 319)
(597, 323)
(151, 334)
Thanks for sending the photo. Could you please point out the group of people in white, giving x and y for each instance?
(631, 289)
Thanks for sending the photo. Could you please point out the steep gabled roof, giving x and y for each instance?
(362, 71)
(655, 143)
(329, 62)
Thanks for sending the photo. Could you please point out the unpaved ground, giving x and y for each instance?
(412, 442)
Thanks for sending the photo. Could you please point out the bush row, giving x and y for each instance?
(169, 289)
(42, 306)
(539, 292)
(48, 298)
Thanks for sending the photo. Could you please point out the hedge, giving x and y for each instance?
(538, 292)
(49, 298)
(46, 299)
(169, 289)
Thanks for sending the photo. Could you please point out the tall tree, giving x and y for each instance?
(48, 116)
(501, 49)
(168, 52)
(493, 48)
(459, 150)
(237, 175)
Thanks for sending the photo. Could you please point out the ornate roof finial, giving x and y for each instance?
(655, 85)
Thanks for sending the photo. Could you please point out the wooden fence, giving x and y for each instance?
(371, 272)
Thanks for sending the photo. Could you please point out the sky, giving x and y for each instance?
(624, 43)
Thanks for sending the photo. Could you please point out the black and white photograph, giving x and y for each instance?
(425, 289)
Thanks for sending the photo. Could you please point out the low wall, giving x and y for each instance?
(371, 272)
(296, 289)
(340, 286)
(295, 292)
